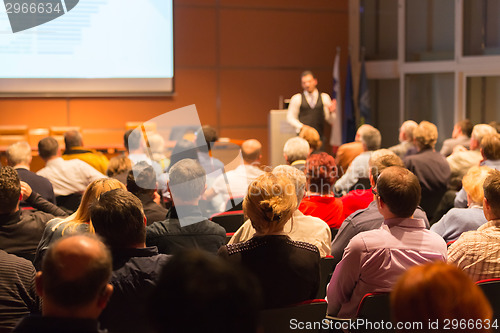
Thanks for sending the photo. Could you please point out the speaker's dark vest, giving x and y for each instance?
(313, 117)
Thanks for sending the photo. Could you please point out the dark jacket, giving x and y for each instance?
(39, 324)
(38, 184)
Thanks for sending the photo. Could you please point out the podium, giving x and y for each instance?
(279, 132)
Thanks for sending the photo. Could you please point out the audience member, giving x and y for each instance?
(21, 230)
(300, 227)
(73, 285)
(118, 217)
(234, 183)
(348, 151)
(287, 270)
(19, 157)
(296, 151)
(135, 146)
(374, 260)
(74, 149)
(358, 172)
(461, 161)
(223, 298)
(157, 147)
(436, 294)
(319, 201)
(69, 178)
(185, 227)
(313, 139)
(118, 168)
(477, 252)
(141, 182)
(459, 220)
(76, 223)
(18, 296)
(496, 125)
(430, 167)
(405, 140)
(183, 149)
(205, 138)
(460, 136)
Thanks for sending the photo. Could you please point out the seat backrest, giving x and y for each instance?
(375, 307)
(231, 221)
(13, 134)
(491, 289)
(326, 266)
(284, 319)
(234, 203)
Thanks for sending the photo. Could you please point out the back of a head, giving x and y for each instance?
(407, 128)
(496, 125)
(490, 144)
(187, 180)
(296, 149)
(270, 202)
(311, 136)
(465, 126)
(491, 187)
(132, 139)
(439, 292)
(156, 143)
(382, 159)
(141, 179)
(19, 153)
(75, 270)
(117, 216)
(480, 130)
(205, 136)
(371, 138)
(118, 164)
(251, 150)
(473, 183)
(72, 139)
(426, 135)
(223, 298)
(321, 173)
(183, 149)
(47, 147)
(10, 190)
(400, 190)
(297, 177)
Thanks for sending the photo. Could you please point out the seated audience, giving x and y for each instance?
(183, 149)
(205, 138)
(69, 178)
(235, 182)
(118, 168)
(74, 149)
(459, 220)
(319, 200)
(223, 298)
(313, 139)
(477, 252)
(461, 161)
(430, 167)
(296, 151)
(18, 296)
(300, 227)
(73, 285)
(348, 151)
(185, 227)
(370, 217)
(118, 218)
(438, 293)
(19, 157)
(21, 230)
(76, 223)
(405, 140)
(374, 260)
(157, 147)
(141, 182)
(287, 270)
(358, 170)
(460, 136)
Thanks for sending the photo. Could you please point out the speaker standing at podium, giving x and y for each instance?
(308, 109)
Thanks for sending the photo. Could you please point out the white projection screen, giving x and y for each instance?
(86, 47)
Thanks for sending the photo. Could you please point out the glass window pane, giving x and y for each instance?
(430, 97)
(481, 27)
(384, 98)
(430, 30)
(379, 29)
(483, 99)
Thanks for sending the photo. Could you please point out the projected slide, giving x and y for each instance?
(86, 39)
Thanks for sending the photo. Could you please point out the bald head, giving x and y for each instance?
(251, 151)
(75, 272)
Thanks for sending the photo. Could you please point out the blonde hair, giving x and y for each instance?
(270, 202)
(473, 183)
(311, 136)
(118, 164)
(425, 134)
(93, 191)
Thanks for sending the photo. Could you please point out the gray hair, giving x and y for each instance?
(481, 130)
(187, 179)
(19, 152)
(371, 138)
(407, 128)
(297, 177)
(296, 149)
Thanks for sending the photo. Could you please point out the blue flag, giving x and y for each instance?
(349, 128)
(364, 96)
(336, 135)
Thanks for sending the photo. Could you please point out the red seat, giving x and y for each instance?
(231, 221)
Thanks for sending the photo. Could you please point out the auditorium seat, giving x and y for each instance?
(231, 221)
(326, 267)
(13, 133)
(491, 288)
(284, 319)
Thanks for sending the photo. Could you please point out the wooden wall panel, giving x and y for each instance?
(34, 112)
(288, 4)
(245, 133)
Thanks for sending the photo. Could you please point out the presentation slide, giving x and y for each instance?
(91, 45)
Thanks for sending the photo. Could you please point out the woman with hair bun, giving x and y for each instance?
(287, 270)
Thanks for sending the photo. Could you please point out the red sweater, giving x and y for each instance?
(326, 207)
